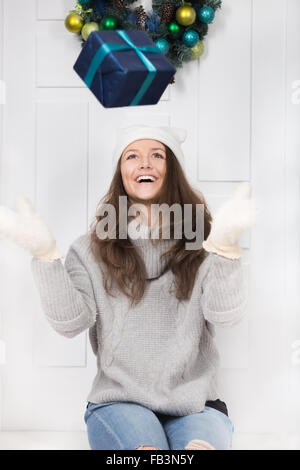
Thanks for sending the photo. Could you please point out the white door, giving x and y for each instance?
(57, 146)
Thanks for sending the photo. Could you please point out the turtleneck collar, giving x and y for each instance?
(151, 254)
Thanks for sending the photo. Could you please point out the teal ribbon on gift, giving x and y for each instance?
(108, 47)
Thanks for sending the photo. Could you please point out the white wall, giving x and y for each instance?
(57, 144)
(292, 235)
(2, 100)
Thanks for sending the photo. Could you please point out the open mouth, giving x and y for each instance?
(146, 179)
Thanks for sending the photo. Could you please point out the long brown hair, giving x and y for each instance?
(123, 263)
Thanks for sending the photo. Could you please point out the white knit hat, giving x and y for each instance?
(170, 136)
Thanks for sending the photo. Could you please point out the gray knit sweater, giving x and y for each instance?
(160, 353)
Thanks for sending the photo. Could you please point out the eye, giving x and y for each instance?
(161, 156)
(134, 155)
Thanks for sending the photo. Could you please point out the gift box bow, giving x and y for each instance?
(106, 48)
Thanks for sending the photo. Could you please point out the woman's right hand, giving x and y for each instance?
(26, 228)
(236, 215)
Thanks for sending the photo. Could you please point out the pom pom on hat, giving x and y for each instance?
(173, 137)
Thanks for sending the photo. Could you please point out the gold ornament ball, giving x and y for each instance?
(186, 15)
(197, 50)
(88, 28)
(74, 23)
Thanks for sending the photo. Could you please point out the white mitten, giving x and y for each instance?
(230, 220)
(26, 228)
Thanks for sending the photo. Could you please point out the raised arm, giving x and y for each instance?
(224, 289)
(66, 291)
(66, 294)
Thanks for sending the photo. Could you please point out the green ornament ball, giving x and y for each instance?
(88, 28)
(109, 22)
(175, 30)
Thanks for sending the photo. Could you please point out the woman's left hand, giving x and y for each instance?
(236, 215)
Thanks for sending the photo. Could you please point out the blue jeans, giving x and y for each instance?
(128, 425)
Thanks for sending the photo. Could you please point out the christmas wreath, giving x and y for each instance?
(175, 26)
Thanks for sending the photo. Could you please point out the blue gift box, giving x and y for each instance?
(123, 68)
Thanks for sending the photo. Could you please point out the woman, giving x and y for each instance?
(150, 305)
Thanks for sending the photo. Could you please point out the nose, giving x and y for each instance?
(145, 162)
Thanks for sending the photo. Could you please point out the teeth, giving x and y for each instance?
(145, 177)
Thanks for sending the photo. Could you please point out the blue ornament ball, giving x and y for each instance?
(84, 2)
(190, 37)
(206, 14)
(163, 45)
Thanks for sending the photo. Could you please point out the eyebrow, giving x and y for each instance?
(137, 150)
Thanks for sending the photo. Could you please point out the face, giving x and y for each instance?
(144, 157)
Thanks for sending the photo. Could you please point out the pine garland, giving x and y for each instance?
(154, 23)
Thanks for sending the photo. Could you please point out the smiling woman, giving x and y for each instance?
(150, 305)
(155, 152)
(143, 169)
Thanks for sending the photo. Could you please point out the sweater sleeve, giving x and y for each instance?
(224, 291)
(66, 293)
